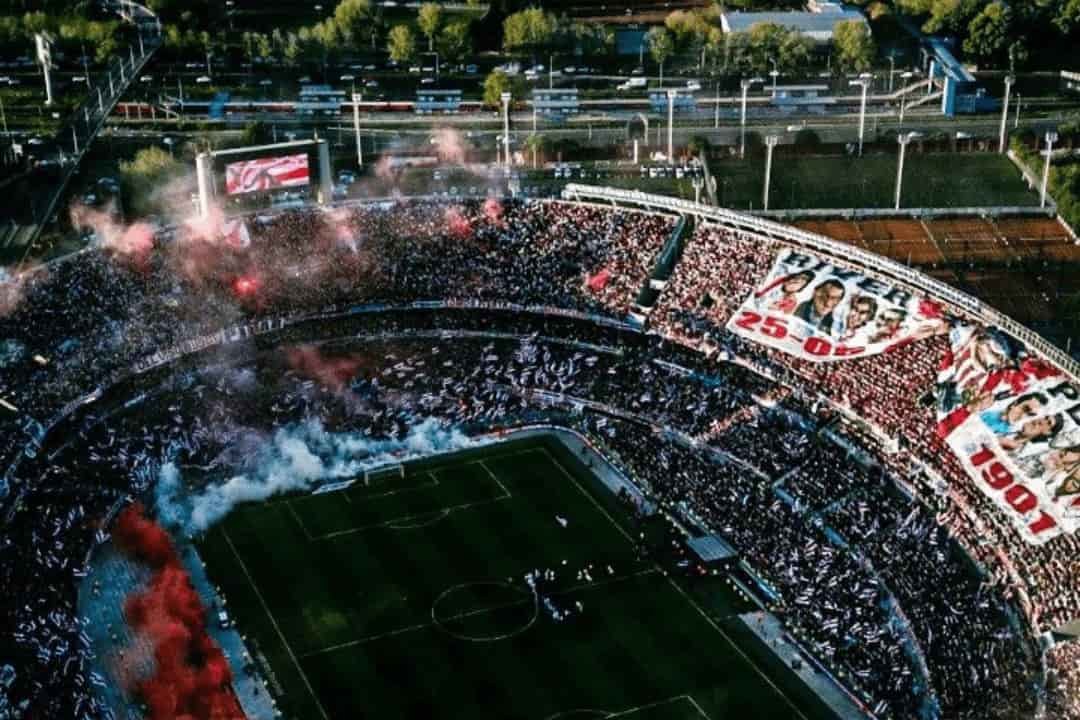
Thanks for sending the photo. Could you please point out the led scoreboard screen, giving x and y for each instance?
(265, 174)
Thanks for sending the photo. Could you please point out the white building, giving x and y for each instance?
(816, 22)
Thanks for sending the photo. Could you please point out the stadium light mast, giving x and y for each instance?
(356, 98)
(671, 95)
(745, 84)
(864, 82)
(1051, 138)
(44, 55)
(505, 97)
(1005, 113)
(771, 141)
(903, 139)
(905, 76)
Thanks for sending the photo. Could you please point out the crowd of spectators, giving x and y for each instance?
(870, 582)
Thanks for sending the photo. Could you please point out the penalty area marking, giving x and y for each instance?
(583, 713)
(440, 624)
(407, 522)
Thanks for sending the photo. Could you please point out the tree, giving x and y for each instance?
(150, 169)
(1067, 18)
(455, 41)
(528, 30)
(495, 84)
(263, 49)
(352, 17)
(989, 32)
(855, 47)
(292, 50)
(401, 44)
(660, 48)
(794, 52)
(535, 144)
(429, 19)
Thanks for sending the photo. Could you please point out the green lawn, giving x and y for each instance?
(406, 598)
(931, 180)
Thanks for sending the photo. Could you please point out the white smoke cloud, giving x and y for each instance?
(295, 459)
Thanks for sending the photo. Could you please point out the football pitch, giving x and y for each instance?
(406, 597)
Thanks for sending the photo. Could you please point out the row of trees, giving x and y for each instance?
(73, 33)
(996, 32)
(452, 39)
(696, 36)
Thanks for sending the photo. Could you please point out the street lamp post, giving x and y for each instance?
(1051, 138)
(903, 139)
(771, 142)
(863, 82)
(356, 97)
(1004, 113)
(716, 118)
(1016, 122)
(892, 69)
(505, 97)
(745, 84)
(775, 73)
(903, 99)
(671, 95)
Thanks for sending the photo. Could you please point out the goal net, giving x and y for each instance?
(384, 474)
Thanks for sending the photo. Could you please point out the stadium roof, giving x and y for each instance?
(816, 25)
(711, 548)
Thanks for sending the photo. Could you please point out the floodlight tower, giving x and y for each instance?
(356, 98)
(671, 95)
(903, 139)
(864, 82)
(745, 84)
(505, 98)
(1051, 138)
(1009, 79)
(905, 76)
(43, 44)
(771, 141)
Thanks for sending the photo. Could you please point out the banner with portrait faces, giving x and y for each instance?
(1013, 420)
(817, 310)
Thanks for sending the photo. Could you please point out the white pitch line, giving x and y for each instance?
(273, 621)
(697, 707)
(473, 613)
(299, 522)
(694, 604)
(647, 706)
(682, 592)
(397, 521)
(584, 492)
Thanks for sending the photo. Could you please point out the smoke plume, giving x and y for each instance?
(295, 458)
(192, 679)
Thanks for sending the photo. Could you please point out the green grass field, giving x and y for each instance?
(405, 598)
(930, 180)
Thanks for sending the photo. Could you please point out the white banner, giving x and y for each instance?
(1014, 422)
(819, 311)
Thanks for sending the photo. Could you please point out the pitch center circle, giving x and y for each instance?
(485, 611)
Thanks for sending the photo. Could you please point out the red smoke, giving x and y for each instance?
(192, 678)
(493, 211)
(332, 373)
(458, 225)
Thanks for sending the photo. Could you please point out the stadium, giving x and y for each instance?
(614, 455)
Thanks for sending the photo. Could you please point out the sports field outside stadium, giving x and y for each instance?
(932, 180)
(406, 598)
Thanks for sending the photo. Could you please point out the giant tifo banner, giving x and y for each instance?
(1014, 422)
(819, 311)
(266, 174)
